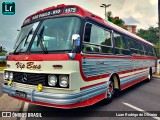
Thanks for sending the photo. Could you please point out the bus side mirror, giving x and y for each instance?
(75, 40)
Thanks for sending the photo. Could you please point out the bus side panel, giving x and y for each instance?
(130, 69)
(143, 65)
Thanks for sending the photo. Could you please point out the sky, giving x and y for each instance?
(142, 13)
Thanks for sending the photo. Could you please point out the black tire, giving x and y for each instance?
(149, 76)
(117, 93)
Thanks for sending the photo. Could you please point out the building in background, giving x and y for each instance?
(131, 28)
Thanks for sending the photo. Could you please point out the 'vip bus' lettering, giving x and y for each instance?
(28, 65)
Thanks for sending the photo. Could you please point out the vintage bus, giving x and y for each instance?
(68, 57)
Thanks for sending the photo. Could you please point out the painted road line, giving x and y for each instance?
(139, 109)
(25, 109)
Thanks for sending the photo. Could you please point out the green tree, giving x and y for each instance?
(118, 22)
(151, 35)
(4, 52)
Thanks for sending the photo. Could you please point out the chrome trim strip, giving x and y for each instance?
(132, 78)
(97, 44)
(59, 99)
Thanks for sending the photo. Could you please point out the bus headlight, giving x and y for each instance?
(52, 80)
(6, 75)
(63, 81)
(11, 75)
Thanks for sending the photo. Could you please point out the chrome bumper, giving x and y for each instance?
(59, 99)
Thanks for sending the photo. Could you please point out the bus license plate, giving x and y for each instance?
(21, 94)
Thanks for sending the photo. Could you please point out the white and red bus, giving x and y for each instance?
(67, 57)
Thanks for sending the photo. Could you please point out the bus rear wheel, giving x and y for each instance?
(149, 76)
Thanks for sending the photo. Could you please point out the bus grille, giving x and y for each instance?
(30, 78)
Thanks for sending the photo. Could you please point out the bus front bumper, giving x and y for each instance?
(55, 99)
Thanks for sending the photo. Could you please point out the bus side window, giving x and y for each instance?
(96, 40)
(145, 49)
(154, 53)
(121, 46)
(134, 46)
(87, 47)
(141, 49)
(151, 51)
(87, 32)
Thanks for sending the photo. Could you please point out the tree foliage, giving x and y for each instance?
(4, 52)
(118, 22)
(151, 34)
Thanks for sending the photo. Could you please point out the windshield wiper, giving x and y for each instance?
(26, 36)
(41, 40)
(19, 44)
(30, 32)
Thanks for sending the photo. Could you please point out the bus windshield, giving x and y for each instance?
(24, 38)
(55, 34)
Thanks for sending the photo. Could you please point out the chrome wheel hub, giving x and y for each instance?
(110, 89)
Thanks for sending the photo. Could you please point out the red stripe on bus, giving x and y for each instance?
(38, 57)
(133, 82)
(85, 87)
(88, 102)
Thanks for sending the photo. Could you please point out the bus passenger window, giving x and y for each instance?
(141, 49)
(97, 40)
(121, 46)
(146, 49)
(133, 46)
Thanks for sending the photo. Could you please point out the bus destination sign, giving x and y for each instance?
(50, 13)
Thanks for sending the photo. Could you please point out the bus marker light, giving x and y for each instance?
(39, 87)
(9, 82)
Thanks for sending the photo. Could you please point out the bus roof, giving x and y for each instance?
(62, 9)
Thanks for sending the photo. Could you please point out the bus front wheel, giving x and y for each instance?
(110, 92)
